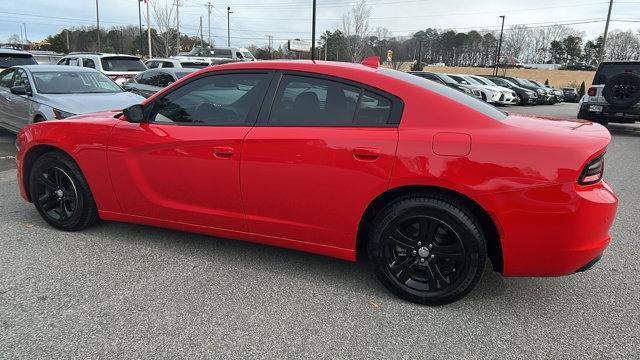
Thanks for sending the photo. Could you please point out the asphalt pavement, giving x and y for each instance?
(129, 291)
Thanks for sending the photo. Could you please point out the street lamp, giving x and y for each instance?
(313, 32)
(499, 46)
(228, 30)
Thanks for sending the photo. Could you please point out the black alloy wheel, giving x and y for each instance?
(60, 192)
(427, 250)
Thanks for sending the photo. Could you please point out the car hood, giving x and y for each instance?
(89, 103)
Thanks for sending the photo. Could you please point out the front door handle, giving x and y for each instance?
(223, 152)
(366, 154)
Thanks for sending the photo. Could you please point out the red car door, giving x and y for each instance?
(183, 165)
(315, 161)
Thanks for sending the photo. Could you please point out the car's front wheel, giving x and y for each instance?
(60, 192)
(427, 249)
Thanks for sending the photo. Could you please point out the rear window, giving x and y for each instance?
(451, 93)
(9, 60)
(192, 65)
(607, 70)
(181, 74)
(122, 64)
(223, 53)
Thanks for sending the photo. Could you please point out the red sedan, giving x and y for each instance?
(344, 160)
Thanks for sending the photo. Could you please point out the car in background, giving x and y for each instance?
(543, 96)
(523, 96)
(192, 63)
(117, 67)
(580, 66)
(511, 97)
(558, 93)
(447, 81)
(571, 94)
(219, 55)
(34, 93)
(426, 181)
(46, 57)
(614, 95)
(490, 94)
(12, 57)
(551, 94)
(151, 81)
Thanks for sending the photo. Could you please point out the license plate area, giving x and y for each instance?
(596, 108)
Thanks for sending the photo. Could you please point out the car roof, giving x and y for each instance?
(55, 68)
(172, 70)
(13, 51)
(98, 54)
(162, 59)
(293, 65)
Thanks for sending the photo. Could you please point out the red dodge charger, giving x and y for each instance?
(344, 160)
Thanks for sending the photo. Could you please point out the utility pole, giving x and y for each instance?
(68, 46)
(209, 6)
(140, 22)
(178, 25)
(603, 50)
(148, 28)
(21, 38)
(326, 47)
(26, 38)
(201, 38)
(98, 23)
(313, 32)
(269, 37)
(229, 12)
(495, 71)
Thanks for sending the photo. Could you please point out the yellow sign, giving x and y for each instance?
(389, 55)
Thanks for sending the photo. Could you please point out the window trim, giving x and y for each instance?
(253, 112)
(395, 113)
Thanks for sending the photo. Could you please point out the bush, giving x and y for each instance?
(581, 92)
(546, 82)
(417, 67)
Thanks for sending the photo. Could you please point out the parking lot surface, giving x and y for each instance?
(129, 291)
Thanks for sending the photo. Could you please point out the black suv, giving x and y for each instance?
(615, 94)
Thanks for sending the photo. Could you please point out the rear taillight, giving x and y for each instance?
(592, 173)
(592, 91)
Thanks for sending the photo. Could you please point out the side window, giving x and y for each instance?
(72, 62)
(239, 55)
(152, 64)
(63, 61)
(145, 78)
(6, 78)
(225, 100)
(21, 79)
(308, 101)
(373, 109)
(88, 63)
(163, 80)
(167, 64)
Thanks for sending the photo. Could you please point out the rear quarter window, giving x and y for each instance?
(9, 60)
(446, 91)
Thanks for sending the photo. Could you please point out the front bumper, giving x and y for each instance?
(553, 230)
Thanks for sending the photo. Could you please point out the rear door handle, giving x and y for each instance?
(366, 154)
(223, 152)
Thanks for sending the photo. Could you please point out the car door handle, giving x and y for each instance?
(366, 154)
(223, 152)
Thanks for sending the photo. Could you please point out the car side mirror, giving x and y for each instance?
(134, 114)
(20, 90)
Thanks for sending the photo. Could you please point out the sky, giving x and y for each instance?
(252, 20)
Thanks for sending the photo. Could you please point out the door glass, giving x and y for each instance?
(152, 64)
(164, 80)
(73, 62)
(145, 77)
(308, 101)
(88, 63)
(22, 79)
(373, 110)
(167, 64)
(6, 78)
(230, 99)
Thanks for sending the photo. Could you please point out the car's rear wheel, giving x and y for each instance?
(427, 249)
(60, 192)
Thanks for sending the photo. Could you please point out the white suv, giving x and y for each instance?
(118, 67)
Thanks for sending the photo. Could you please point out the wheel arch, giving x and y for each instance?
(31, 156)
(489, 227)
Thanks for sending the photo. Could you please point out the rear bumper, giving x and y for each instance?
(553, 230)
(600, 111)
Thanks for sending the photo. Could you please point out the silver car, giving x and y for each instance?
(33, 93)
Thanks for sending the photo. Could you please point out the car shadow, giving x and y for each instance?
(624, 129)
(356, 279)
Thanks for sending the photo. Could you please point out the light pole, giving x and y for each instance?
(495, 72)
(149, 28)
(229, 12)
(606, 30)
(313, 32)
(98, 24)
(140, 32)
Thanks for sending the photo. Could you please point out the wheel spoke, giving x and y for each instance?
(400, 266)
(431, 280)
(58, 178)
(46, 182)
(49, 204)
(62, 211)
(437, 274)
(406, 273)
(401, 239)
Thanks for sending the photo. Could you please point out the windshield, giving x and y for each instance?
(181, 74)
(247, 55)
(472, 80)
(484, 81)
(73, 83)
(447, 79)
(536, 83)
(9, 60)
(122, 64)
(448, 92)
(608, 70)
(525, 82)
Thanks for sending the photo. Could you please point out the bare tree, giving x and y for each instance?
(622, 45)
(163, 16)
(14, 39)
(355, 25)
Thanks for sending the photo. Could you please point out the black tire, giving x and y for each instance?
(60, 192)
(622, 90)
(427, 249)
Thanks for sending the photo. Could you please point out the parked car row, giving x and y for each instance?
(502, 90)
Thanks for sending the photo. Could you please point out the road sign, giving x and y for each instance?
(389, 55)
(298, 45)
